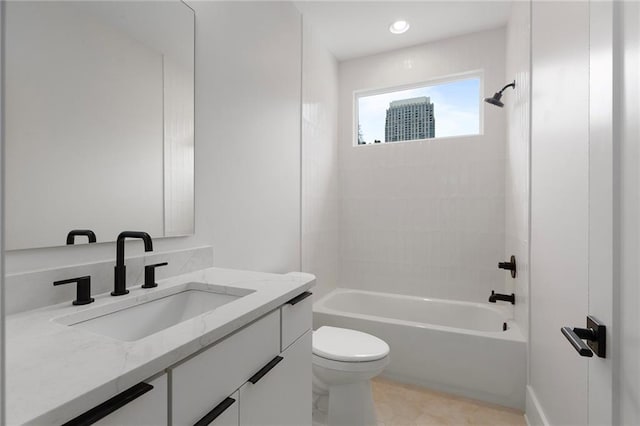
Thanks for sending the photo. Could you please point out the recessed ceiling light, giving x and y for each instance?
(399, 27)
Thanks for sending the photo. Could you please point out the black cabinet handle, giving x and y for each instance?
(110, 405)
(264, 370)
(299, 298)
(215, 413)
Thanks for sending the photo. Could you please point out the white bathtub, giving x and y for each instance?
(456, 347)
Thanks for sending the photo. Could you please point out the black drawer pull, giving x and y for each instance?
(109, 406)
(299, 298)
(215, 413)
(264, 370)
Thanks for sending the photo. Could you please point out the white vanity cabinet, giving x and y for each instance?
(265, 368)
(257, 375)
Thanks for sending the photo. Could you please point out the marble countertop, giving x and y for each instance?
(55, 372)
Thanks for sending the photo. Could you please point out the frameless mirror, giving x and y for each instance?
(99, 119)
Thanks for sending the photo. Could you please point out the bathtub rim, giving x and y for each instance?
(512, 333)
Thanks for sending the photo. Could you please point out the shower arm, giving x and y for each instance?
(513, 85)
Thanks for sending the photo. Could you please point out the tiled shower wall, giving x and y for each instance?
(424, 218)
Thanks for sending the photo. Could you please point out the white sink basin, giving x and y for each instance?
(130, 322)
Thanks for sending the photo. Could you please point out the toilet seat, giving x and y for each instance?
(353, 367)
(347, 346)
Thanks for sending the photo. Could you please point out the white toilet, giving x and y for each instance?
(343, 363)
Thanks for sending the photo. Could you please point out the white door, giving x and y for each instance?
(571, 210)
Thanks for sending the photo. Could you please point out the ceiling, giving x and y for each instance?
(350, 29)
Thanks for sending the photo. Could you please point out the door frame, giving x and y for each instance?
(601, 204)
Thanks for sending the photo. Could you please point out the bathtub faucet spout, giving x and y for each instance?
(504, 297)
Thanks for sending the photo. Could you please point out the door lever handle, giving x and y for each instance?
(576, 341)
(595, 334)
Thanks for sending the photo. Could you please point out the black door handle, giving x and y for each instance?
(109, 406)
(216, 412)
(576, 342)
(595, 334)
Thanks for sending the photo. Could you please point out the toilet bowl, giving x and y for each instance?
(344, 361)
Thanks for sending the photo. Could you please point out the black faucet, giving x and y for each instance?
(71, 236)
(120, 277)
(504, 297)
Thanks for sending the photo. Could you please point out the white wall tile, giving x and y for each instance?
(424, 218)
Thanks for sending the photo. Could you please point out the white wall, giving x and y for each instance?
(559, 210)
(425, 218)
(248, 71)
(320, 241)
(627, 378)
(517, 108)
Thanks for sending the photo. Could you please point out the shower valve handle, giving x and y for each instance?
(509, 266)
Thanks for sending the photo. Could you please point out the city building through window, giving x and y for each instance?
(431, 110)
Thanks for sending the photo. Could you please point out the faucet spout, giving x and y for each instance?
(120, 276)
(504, 297)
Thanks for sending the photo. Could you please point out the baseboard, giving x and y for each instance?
(534, 415)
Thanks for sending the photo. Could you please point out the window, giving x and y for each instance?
(430, 110)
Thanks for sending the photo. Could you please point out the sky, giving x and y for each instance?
(456, 107)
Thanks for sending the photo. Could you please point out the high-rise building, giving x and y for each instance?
(410, 119)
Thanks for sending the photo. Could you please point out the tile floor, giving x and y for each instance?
(398, 404)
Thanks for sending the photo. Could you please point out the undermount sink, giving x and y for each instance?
(134, 321)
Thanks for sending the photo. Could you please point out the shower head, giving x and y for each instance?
(495, 99)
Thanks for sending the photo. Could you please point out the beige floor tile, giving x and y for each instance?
(398, 404)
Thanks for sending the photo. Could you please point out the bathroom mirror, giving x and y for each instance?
(99, 120)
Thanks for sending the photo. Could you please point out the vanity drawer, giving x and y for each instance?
(297, 318)
(206, 380)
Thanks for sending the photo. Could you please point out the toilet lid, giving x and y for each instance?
(342, 344)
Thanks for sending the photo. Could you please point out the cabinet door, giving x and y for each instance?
(282, 396)
(150, 409)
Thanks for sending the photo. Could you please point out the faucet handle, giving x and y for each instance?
(150, 275)
(83, 289)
